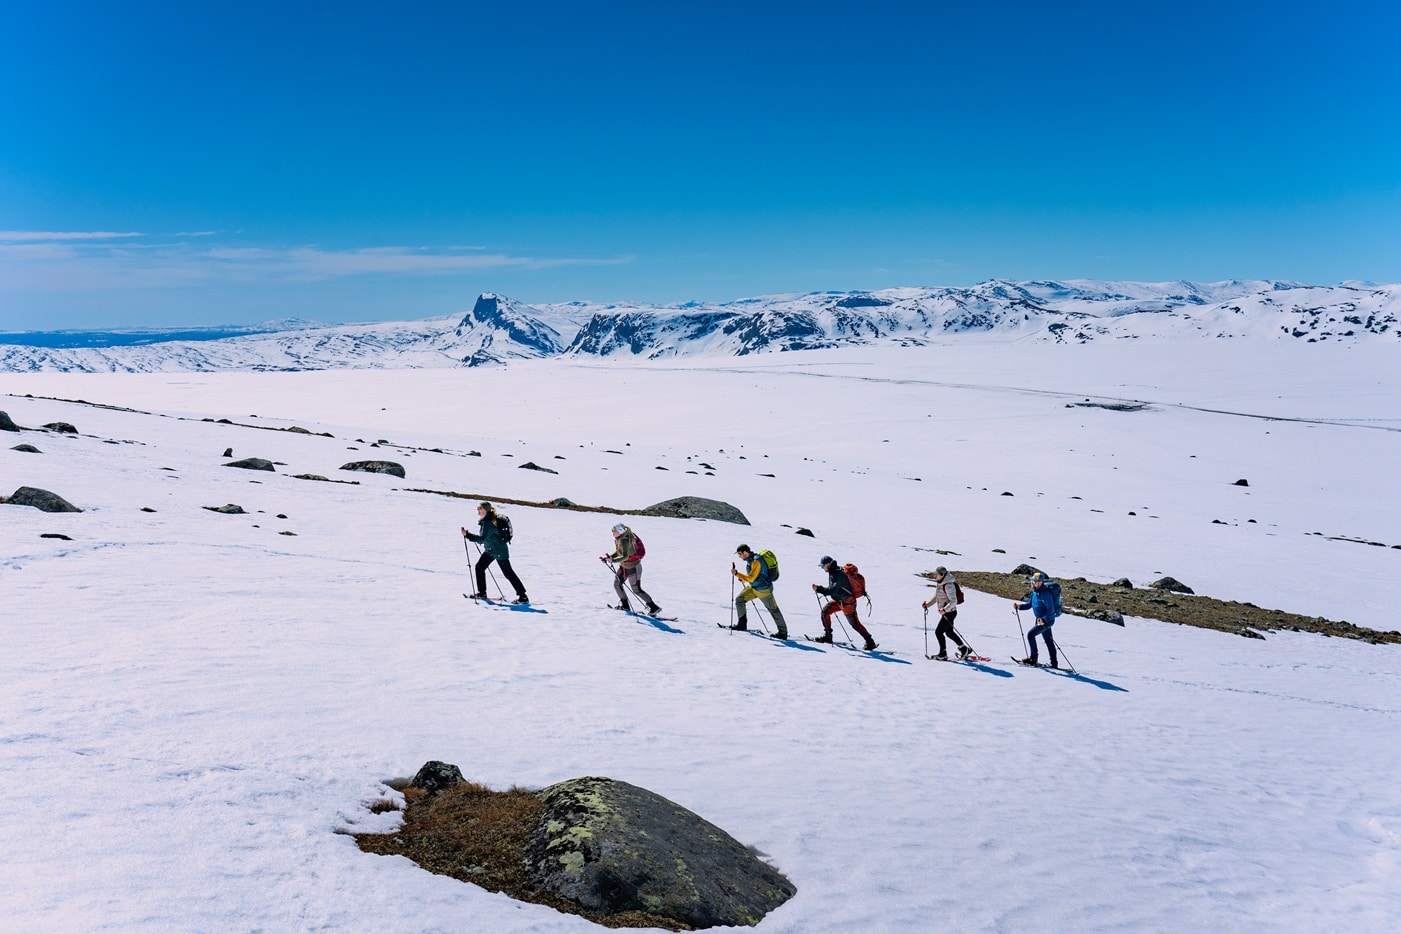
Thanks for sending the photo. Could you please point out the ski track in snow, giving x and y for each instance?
(198, 709)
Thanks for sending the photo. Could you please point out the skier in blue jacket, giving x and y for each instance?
(1042, 603)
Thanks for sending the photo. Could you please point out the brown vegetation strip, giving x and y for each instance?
(573, 507)
(1080, 596)
(477, 835)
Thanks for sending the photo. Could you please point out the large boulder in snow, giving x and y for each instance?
(1171, 585)
(6, 424)
(610, 846)
(389, 467)
(697, 507)
(252, 463)
(436, 777)
(40, 499)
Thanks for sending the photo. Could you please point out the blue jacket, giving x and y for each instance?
(756, 575)
(1041, 603)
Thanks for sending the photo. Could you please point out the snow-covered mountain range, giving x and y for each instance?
(499, 329)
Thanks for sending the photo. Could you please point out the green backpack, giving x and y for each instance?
(771, 563)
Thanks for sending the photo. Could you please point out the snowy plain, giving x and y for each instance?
(197, 707)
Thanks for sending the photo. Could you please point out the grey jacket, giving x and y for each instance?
(945, 596)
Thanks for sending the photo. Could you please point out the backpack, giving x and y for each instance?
(503, 526)
(957, 592)
(770, 563)
(1054, 588)
(857, 579)
(639, 549)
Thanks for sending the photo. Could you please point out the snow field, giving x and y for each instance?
(198, 706)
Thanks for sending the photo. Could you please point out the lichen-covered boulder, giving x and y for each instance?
(436, 777)
(41, 500)
(697, 507)
(252, 463)
(388, 467)
(63, 428)
(610, 846)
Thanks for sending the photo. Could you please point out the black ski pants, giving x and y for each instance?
(945, 629)
(505, 564)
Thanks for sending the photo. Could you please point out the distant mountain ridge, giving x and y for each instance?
(499, 329)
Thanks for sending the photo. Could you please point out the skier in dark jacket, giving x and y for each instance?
(838, 590)
(494, 548)
(1042, 604)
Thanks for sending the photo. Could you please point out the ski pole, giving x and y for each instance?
(926, 632)
(732, 598)
(1021, 630)
(1060, 650)
(617, 576)
(471, 569)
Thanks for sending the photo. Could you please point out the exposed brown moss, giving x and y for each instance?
(1079, 594)
(477, 835)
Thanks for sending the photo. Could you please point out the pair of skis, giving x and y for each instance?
(965, 658)
(851, 647)
(631, 612)
(505, 604)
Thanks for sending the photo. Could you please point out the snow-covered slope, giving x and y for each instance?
(499, 329)
(197, 706)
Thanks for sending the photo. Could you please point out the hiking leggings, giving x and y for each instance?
(1042, 629)
(945, 628)
(849, 610)
(633, 577)
(505, 564)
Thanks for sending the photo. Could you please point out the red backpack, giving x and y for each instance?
(858, 581)
(957, 592)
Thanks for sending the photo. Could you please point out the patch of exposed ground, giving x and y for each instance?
(1083, 597)
(477, 835)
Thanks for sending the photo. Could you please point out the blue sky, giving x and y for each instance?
(171, 164)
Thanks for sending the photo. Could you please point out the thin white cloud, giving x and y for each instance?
(38, 236)
(84, 264)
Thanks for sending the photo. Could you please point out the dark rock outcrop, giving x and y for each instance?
(697, 507)
(6, 424)
(62, 428)
(252, 463)
(26, 448)
(1107, 616)
(42, 500)
(435, 777)
(231, 509)
(610, 846)
(531, 465)
(389, 467)
(1171, 584)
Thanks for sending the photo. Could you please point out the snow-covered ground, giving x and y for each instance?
(195, 705)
